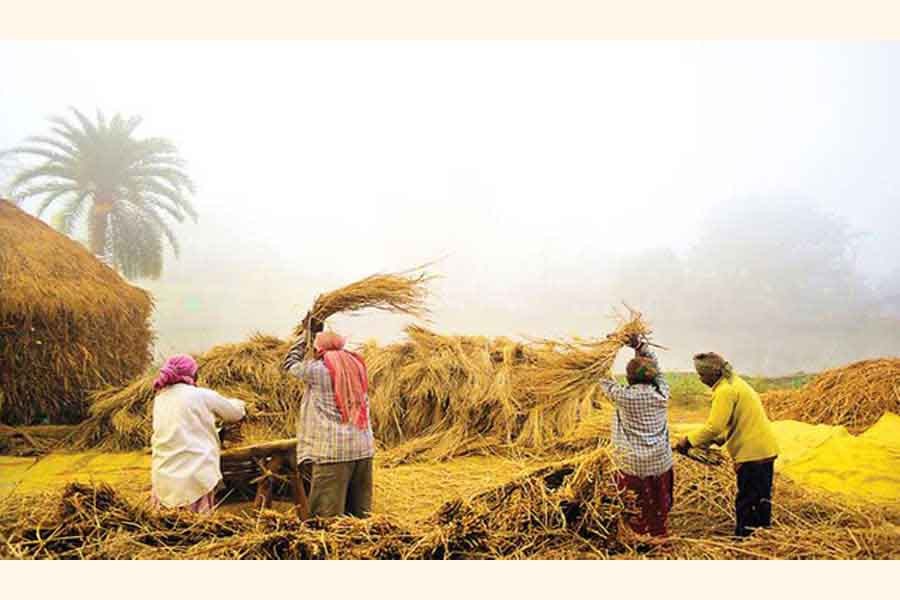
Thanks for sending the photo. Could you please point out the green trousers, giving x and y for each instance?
(343, 488)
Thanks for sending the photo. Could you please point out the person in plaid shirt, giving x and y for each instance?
(333, 429)
(640, 435)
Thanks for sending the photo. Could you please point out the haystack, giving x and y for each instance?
(68, 323)
(854, 396)
(436, 397)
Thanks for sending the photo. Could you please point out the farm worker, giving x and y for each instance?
(185, 468)
(333, 429)
(737, 420)
(640, 435)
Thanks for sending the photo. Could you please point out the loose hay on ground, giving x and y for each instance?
(567, 509)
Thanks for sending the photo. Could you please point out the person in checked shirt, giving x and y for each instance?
(640, 435)
(333, 429)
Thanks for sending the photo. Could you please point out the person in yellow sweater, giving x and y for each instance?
(738, 420)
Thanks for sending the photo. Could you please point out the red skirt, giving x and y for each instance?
(654, 501)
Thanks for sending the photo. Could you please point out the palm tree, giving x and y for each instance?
(127, 186)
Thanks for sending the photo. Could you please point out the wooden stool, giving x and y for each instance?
(263, 464)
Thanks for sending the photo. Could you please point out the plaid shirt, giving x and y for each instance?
(640, 427)
(321, 436)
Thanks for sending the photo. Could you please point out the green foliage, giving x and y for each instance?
(128, 188)
(686, 389)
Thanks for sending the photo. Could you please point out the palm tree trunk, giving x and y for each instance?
(98, 224)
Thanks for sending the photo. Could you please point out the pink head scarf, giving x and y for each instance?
(180, 368)
(348, 378)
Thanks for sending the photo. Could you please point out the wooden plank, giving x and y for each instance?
(258, 450)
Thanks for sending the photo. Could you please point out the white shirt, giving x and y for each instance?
(185, 443)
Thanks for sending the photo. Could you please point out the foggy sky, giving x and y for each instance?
(532, 170)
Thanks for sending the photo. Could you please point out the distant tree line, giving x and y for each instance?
(772, 284)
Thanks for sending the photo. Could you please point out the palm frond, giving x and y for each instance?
(89, 129)
(51, 198)
(55, 143)
(42, 152)
(71, 213)
(173, 194)
(173, 176)
(165, 230)
(36, 173)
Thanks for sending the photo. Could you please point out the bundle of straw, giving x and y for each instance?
(404, 292)
(854, 396)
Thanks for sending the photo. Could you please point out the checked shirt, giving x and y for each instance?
(640, 428)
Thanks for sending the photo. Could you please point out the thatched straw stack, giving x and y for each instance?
(435, 397)
(855, 396)
(68, 323)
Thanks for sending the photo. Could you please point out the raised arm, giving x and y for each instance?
(294, 362)
(614, 391)
(643, 349)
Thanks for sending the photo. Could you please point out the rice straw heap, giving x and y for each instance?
(68, 323)
(436, 397)
(854, 396)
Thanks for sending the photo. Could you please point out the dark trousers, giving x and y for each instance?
(343, 488)
(753, 505)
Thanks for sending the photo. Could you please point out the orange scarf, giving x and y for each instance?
(348, 378)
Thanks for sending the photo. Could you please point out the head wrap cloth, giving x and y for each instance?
(180, 368)
(713, 366)
(641, 370)
(348, 378)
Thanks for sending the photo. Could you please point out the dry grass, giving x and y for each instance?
(68, 323)
(437, 397)
(404, 292)
(564, 509)
(543, 510)
(806, 524)
(854, 396)
(121, 418)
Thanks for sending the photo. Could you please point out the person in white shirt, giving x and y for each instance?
(185, 468)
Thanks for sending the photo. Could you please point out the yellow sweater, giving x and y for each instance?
(737, 417)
